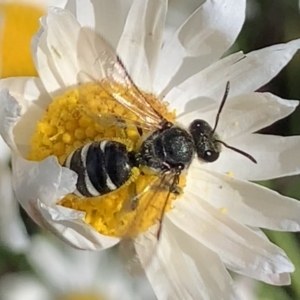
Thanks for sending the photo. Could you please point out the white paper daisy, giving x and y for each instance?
(63, 273)
(214, 224)
(18, 22)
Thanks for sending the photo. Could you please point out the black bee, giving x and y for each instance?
(104, 166)
(167, 150)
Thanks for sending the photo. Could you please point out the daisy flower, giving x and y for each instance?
(19, 22)
(62, 272)
(214, 225)
(12, 230)
(247, 287)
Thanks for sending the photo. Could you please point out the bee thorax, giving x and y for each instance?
(167, 149)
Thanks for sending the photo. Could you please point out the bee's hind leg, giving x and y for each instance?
(176, 190)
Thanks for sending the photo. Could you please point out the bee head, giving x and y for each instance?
(206, 141)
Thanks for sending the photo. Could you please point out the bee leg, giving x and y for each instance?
(133, 196)
(176, 190)
(140, 131)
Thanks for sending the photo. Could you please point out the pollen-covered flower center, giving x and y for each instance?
(68, 125)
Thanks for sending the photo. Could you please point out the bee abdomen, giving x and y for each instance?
(102, 167)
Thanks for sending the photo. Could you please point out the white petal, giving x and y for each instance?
(58, 3)
(50, 262)
(140, 42)
(276, 279)
(85, 13)
(62, 39)
(246, 73)
(45, 181)
(107, 11)
(137, 253)
(96, 58)
(244, 114)
(175, 274)
(98, 15)
(247, 287)
(40, 54)
(68, 225)
(276, 157)
(67, 270)
(20, 109)
(178, 12)
(27, 89)
(88, 267)
(22, 286)
(39, 186)
(201, 40)
(10, 112)
(63, 267)
(259, 232)
(189, 95)
(12, 230)
(56, 46)
(5, 152)
(36, 39)
(246, 202)
(242, 250)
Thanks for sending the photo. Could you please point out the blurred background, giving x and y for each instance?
(33, 265)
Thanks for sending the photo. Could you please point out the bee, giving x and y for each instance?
(167, 149)
(102, 167)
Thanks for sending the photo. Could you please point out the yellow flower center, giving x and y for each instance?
(20, 24)
(68, 125)
(81, 296)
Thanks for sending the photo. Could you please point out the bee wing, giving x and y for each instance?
(112, 78)
(139, 207)
(113, 120)
(145, 244)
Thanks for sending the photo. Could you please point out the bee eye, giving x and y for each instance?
(211, 156)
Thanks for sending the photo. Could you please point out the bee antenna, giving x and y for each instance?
(221, 106)
(238, 151)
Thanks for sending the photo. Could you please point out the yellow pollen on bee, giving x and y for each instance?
(67, 125)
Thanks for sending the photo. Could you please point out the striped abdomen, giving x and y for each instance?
(101, 167)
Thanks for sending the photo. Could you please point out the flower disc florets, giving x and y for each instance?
(68, 125)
